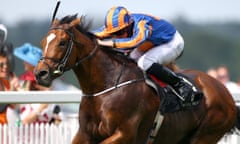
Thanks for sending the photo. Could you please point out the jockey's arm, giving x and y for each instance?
(108, 43)
(140, 35)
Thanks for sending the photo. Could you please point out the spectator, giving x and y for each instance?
(6, 74)
(29, 113)
(4, 86)
(212, 72)
(5, 80)
(30, 56)
(223, 76)
(3, 38)
(238, 82)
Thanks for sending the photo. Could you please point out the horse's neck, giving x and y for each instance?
(97, 73)
(101, 70)
(104, 70)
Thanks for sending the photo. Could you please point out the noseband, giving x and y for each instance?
(61, 64)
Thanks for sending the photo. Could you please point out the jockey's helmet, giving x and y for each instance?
(116, 19)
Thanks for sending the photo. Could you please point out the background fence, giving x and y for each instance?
(56, 134)
(39, 133)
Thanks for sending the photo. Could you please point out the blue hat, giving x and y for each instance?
(28, 53)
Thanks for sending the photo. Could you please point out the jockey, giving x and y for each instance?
(153, 42)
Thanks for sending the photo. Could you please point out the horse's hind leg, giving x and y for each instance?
(207, 139)
(212, 128)
(210, 133)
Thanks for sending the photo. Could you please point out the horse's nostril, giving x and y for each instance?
(43, 74)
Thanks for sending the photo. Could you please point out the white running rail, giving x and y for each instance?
(56, 134)
(40, 96)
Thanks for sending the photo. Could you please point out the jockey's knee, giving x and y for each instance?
(144, 63)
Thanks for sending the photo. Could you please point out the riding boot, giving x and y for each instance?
(183, 87)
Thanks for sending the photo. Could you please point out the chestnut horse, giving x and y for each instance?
(118, 107)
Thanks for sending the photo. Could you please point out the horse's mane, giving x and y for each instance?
(121, 57)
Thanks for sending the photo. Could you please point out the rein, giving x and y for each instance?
(115, 87)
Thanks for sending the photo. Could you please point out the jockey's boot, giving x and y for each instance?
(183, 87)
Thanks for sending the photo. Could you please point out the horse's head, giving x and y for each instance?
(59, 49)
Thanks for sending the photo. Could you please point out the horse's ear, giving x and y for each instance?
(75, 22)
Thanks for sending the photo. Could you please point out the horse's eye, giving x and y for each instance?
(63, 43)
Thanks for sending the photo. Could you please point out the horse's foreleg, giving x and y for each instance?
(76, 138)
(120, 137)
(79, 138)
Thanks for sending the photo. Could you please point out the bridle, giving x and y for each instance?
(61, 64)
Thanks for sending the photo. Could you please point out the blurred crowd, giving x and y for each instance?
(9, 81)
(222, 74)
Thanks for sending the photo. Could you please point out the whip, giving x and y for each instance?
(56, 9)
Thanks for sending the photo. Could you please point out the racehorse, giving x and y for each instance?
(118, 107)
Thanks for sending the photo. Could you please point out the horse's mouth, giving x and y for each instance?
(45, 77)
(44, 82)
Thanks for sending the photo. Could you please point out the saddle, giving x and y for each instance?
(170, 101)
